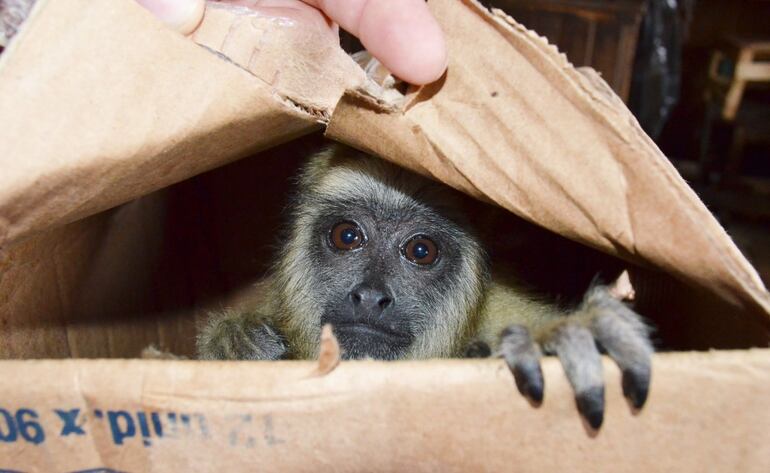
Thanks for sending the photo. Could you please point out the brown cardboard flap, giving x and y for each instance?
(296, 53)
(444, 416)
(514, 123)
(101, 104)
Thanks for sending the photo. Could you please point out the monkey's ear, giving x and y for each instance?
(329, 352)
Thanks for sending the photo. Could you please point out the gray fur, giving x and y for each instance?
(574, 344)
(239, 336)
(434, 308)
(627, 340)
(449, 308)
(523, 358)
(390, 205)
(600, 318)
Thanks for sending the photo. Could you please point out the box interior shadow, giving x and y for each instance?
(142, 273)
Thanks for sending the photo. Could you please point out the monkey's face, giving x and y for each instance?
(384, 260)
(387, 270)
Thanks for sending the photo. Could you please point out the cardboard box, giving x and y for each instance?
(103, 110)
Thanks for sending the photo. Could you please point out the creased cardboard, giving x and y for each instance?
(314, 77)
(706, 412)
(519, 126)
(101, 104)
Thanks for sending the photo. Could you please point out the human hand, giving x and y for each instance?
(401, 34)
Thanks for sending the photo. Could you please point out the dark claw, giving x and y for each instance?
(523, 359)
(529, 380)
(590, 403)
(478, 349)
(636, 386)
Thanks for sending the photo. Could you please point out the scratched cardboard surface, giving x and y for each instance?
(76, 415)
(154, 108)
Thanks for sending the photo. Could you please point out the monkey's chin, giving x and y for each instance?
(361, 341)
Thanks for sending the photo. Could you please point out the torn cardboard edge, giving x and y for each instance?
(707, 411)
(533, 150)
(449, 415)
(601, 99)
(137, 130)
(529, 150)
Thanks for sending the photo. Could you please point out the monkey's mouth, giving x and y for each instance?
(370, 330)
(365, 339)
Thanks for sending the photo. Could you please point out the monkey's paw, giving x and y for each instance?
(234, 336)
(601, 319)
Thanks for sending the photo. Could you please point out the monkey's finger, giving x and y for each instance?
(575, 347)
(523, 359)
(622, 333)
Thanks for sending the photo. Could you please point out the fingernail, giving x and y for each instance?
(181, 15)
(529, 381)
(590, 403)
(636, 386)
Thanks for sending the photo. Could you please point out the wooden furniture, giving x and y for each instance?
(737, 64)
(597, 33)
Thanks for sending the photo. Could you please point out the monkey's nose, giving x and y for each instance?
(370, 299)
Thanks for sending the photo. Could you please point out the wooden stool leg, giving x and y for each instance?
(735, 156)
(710, 114)
(738, 86)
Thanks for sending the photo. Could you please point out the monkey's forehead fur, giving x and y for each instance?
(340, 173)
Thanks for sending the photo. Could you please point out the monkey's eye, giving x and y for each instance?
(420, 250)
(346, 236)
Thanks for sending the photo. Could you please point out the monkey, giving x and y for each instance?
(394, 263)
